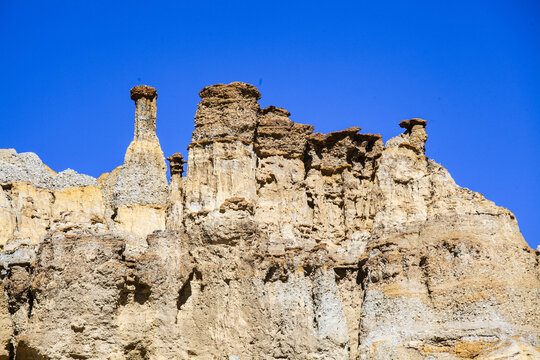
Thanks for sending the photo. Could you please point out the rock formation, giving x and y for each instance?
(279, 243)
(136, 192)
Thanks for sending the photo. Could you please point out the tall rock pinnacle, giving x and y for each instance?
(145, 111)
(142, 180)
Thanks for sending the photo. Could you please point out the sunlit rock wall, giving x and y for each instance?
(278, 243)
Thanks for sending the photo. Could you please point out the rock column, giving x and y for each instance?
(175, 208)
(222, 162)
(139, 196)
(221, 157)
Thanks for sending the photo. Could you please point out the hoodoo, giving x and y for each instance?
(143, 177)
(136, 192)
(278, 243)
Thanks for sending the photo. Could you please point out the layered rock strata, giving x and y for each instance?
(282, 210)
(279, 243)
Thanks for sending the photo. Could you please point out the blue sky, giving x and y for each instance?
(471, 68)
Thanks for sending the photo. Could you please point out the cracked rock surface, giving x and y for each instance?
(277, 243)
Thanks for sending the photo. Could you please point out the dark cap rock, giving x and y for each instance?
(227, 111)
(408, 124)
(233, 90)
(176, 163)
(143, 91)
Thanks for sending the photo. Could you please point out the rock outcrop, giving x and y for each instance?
(279, 243)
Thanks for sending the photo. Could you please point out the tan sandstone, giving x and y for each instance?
(277, 243)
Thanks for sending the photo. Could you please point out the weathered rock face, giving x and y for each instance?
(282, 210)
(280, 243)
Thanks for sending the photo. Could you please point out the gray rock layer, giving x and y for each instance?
(27, 167)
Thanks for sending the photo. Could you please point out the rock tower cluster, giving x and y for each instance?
(278, 243)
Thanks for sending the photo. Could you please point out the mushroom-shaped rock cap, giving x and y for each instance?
(177, 162)
(143, 91)
(408, 124)
(176, 157)
(233, 90)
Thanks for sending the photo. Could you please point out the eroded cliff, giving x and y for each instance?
(279, 243)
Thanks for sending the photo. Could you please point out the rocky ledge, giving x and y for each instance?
(278, 243)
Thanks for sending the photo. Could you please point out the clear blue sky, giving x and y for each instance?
(471, 68)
